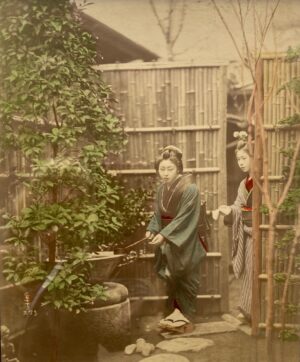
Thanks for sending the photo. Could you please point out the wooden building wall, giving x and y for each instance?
(183, 105)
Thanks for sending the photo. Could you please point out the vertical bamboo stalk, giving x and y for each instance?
(256, 234)
(216, 97)
(138, 74)
(222, 188)
(176, 91)
(201, 97)
(197, 96)
(129, 121)
(210, 95)
(205, 100)
(183, 95)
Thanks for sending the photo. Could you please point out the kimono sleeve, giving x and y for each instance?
(240, 198)
(154, 225)
(184, 226)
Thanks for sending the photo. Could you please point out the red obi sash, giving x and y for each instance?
(166, 219)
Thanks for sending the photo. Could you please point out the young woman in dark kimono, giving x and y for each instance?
(173, 229)
(241, 215)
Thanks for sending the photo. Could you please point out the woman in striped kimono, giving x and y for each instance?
(173, 229)
(241, 215)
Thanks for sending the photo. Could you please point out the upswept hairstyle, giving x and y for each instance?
(242, 144)
(171, 153)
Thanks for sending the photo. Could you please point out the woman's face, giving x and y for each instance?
(167, 171)
(243, 160)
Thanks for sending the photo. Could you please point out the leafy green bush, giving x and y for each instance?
(56, 115)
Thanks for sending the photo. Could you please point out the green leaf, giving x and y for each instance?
(92, 218)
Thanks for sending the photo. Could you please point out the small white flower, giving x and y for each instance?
(242, 135)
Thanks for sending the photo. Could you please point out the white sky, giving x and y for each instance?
(204, 36)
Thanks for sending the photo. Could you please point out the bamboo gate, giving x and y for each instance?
(274, 73)
(184, 105)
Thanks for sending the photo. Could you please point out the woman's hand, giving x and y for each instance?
(149, 235)
(157, 240)
(225, 210)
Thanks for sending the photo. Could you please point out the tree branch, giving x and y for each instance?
(249, 57)
(55, 116)
(160, 23)
(289, 272)
(180, 26)
(268, 25)
(229, 32)
(170, 21)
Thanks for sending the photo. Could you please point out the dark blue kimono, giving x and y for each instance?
(177, 260)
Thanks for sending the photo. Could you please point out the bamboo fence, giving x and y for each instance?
(161, 104)
(184, 105)
(277, 106)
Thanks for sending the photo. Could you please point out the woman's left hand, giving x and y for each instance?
(157, 240)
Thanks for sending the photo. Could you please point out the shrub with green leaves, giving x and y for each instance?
(287, 245)
(56, 114)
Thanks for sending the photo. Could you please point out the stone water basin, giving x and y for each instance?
(104, 265)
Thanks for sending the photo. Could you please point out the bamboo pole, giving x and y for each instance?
(197, 96)
(171, 129)
(201, 97)
(222, 190)
(176, 98)
(256, 220)
(205, 98)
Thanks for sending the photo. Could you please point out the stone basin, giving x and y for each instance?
(103, 265)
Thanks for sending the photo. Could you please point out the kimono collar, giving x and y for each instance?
(171, 197)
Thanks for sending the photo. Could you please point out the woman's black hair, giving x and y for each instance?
(173, 154)
(242, 145)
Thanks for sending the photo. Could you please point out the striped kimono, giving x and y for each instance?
(242, 245)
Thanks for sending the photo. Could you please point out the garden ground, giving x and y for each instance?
(228, 347)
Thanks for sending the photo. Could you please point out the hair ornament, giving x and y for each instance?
(241, 135)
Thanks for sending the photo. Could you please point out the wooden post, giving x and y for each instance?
(222, 189)
(257, 172)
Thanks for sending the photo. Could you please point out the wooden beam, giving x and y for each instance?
(264, 277)
(278, 227)
(273, 178)
(272, 127)
(157, 65)
(131, 171)
(164, 297)
(171, 129)
(151, 171)
(208, 255)
(279, 325)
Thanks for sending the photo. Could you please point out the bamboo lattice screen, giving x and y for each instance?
(277, 106)
(183, 105)
(161, 104)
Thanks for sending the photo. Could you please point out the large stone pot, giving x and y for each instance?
(104, 265)
(106, 322)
